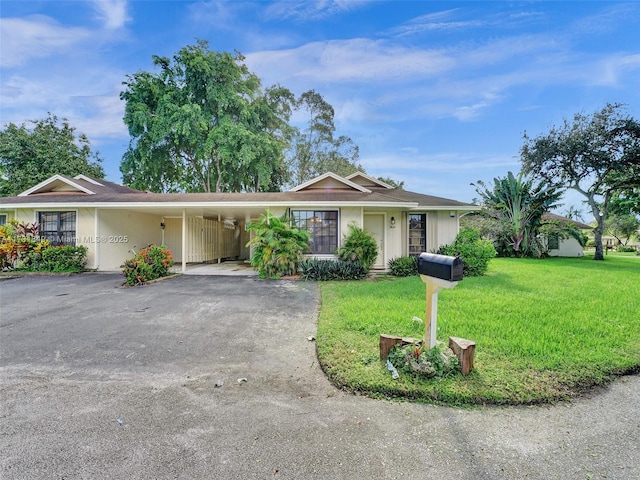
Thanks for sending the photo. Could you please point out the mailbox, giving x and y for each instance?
(443, 267)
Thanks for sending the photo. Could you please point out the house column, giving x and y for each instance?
(184, 240)
(218, 237)
(96, 233)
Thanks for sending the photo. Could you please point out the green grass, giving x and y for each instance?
(545, 330)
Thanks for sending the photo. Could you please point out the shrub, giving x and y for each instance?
(473, 250)
(316, 269)
(359, 247)
(403, 266)
(148, 264)
(626, 248)
(64, 258)
(277, 246)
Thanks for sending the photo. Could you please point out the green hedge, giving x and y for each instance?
(66, 258)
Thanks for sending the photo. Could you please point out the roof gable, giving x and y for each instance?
(365, 180)
(56, 184)
(330, 180)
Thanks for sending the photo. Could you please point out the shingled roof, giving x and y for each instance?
(326, 189)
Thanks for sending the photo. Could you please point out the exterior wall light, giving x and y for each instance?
(393, 222)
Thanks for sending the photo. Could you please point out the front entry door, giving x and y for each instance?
(374, 224)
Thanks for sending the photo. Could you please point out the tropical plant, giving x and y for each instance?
(18, 243)
(474, 252)
(277, 247)
(438, 361)
(322, 270)
(519, 205)
(150, 263)
(358, 246)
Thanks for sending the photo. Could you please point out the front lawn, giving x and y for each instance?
(545, 330)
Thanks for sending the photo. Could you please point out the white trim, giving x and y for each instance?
(88, 179)
(53, 179)
(370, 178)
(260, 205)
(332, 175)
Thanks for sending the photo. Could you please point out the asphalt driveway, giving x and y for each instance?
(99, 381)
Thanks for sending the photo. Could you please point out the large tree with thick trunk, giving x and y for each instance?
(597, 155)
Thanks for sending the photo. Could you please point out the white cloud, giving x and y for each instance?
(354, 60)
(113, 13)
(35, 36)
(305, 10)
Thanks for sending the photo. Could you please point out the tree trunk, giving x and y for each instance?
(597, 233)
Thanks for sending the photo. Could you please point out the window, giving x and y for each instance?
(58, 227)
(553, 242)
(3, 219)
(417, 233)
(323, 226)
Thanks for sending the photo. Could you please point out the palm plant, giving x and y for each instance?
(519, 204)
(278, 247)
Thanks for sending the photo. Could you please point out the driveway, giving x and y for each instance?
(100, 381)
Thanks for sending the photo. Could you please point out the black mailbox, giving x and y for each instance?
(440, 266)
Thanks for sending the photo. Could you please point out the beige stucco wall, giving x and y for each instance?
(447, 228)
(349, 215)
(121, 232)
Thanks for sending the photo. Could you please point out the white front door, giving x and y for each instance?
(374, 224)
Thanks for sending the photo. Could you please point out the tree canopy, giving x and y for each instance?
(203, 124)
(29, 156)
(597, 155)
(314, 149)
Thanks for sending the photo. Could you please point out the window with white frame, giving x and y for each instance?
(3, 219)
(323, 226)
(58, 227)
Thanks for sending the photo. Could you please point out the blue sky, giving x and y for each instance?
(437, 94)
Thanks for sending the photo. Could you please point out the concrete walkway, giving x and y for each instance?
(229, 268)
(99, 381)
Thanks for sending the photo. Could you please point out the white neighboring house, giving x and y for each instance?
(112, 220)
(567, 247)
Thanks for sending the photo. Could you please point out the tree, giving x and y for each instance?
(203, 123)
(519, 205)
(597, 155)
(31, 155)
(393, 183)
(622, 227)
(315, 150)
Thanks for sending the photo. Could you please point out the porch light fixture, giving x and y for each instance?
(162, 225)
(393, 222)
(452, 214)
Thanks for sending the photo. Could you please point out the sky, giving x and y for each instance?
(435, 94)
